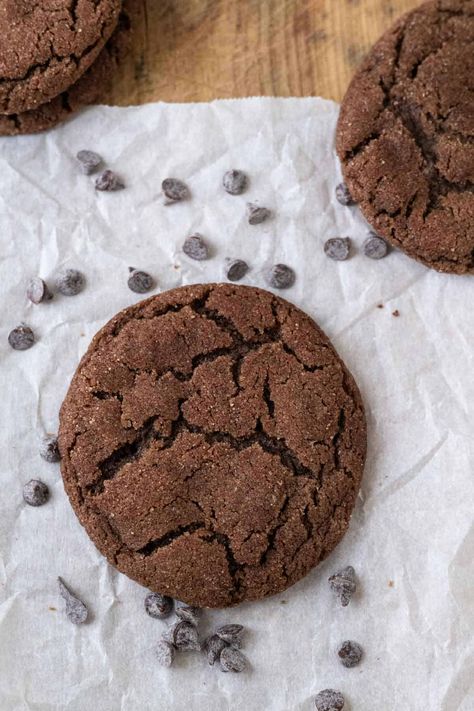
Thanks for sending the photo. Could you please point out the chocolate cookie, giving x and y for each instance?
(47, 46)
(88, 90)
(213, 443)
(406, 135)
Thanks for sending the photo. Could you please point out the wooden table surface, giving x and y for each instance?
(198, 50)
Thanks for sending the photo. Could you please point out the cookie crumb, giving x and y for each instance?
(391, 584)
(380, 306)
(396, 313)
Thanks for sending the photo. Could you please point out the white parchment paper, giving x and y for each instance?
(412, 537)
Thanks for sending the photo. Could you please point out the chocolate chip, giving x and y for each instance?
(174, 190)
(76, 611)
(329, 700)
(281, 277)
(256, 214)
(21, 338)
(337, 248)
(165, 653)
(232, 660)
(49, 449)
(37, 291)
(230, 633)
(350, 653)
(70, 282)
(375, 247)
(185, 636)
(35, 492)
(89, 161)
(236, 269)
(139, 282)
(195, 247)
(158, 606)
(343, 583)
(188, 614)
(343, 195)
(213, 647)
(108, 181)
(234, 182)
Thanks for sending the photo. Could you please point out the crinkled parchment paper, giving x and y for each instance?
(411, 538)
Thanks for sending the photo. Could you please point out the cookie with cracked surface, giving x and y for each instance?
(47, 46)
(213, 443)
(88, 90)
(405, 135)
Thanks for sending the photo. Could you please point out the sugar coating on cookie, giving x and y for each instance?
(213, 443)
(405, 135)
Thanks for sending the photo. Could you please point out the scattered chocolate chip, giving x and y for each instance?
(76, 611)
(281, 277)
(165, 653)
(213, 647)
(158, 606)
(139, 282)
(256, 214)
(230, 633)
(337, 248)
(343, 195)
(234, 182)
(375, 247)
(195, 247)
(343, 582)
(21, 338)
(49, 450)
(329, 700)
(396, 313)
(232, 660)
(108, 181)
(350, 653)
(37, 291)
(35, 493)
(185, 636)
(70, 282)
(89, 161)
(236, 269)
(174, 190)
(188, 614)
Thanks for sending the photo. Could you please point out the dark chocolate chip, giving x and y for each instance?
(280, 276)
(76, 611)
(329, 700)
(108, 181)
(230, 633)
(213, 647)
(165, 653)
(236, 269)
(185, 636)
(234, 182)
(89, 161)
(158, 606)
(70, 282)
(139, 282)
(21, 338)
(256, 214)
(343, 583)
(35, 492)
(188, 614)
(375, 247)
(195, 247)
(49, 449)
(350, 653)
(174, 190)
(231, 660)
(337, 248)
(343, 195)
(37, 291)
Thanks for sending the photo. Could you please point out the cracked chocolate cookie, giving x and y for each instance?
(405, 135)
(88, 90)
(47, 46)
(212, 443)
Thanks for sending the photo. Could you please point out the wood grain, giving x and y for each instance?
(198, 50)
